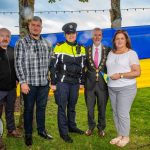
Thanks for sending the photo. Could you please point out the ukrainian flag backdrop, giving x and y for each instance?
(140, 39)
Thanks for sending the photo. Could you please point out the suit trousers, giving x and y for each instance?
(97, 96)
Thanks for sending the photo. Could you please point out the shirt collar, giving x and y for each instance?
(99, 46)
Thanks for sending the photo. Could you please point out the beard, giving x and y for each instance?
(36, 35)
(4, 43)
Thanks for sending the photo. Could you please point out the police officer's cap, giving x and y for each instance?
(69, 27)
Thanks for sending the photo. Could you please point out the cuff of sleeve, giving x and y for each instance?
(21, 82)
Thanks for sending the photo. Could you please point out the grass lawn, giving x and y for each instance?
(140, 129)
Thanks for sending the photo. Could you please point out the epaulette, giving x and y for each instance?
(60, 43)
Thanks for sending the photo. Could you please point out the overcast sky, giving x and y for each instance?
(53, 22)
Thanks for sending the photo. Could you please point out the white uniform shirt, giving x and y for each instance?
(121, 63)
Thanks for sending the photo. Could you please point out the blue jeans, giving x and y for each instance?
(38, 94)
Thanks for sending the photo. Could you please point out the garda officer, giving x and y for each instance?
(66, 78)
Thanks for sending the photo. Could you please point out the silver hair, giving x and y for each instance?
(96, 29)
(5, 30)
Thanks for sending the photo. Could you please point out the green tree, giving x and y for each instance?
(115, 13)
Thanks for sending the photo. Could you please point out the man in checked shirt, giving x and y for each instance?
(32, 58)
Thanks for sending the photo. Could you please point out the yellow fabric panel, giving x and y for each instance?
(18, 90)
(67, 49)
(142, 81)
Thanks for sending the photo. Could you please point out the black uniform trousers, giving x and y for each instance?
(97, 96)
(66, 96)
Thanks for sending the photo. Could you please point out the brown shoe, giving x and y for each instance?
(101, 133)
(14, 133)
(89, 132)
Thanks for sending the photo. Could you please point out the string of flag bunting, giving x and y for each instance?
(74, 11)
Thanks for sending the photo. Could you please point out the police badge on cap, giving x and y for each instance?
(69, 27)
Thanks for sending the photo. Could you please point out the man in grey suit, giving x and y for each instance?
(95, 85)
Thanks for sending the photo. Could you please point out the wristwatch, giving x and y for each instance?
(121, 75)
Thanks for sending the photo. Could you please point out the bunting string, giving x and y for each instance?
(75, 11)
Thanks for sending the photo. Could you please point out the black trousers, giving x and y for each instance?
(8, 101)
(100, 97)
(66, 96)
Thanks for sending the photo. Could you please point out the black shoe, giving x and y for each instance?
(76, 130)
(28, 139)
(45, 135)
(67, 138)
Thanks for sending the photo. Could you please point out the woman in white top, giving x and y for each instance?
(122, 68)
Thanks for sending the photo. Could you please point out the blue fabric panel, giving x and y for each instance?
(140, 38)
